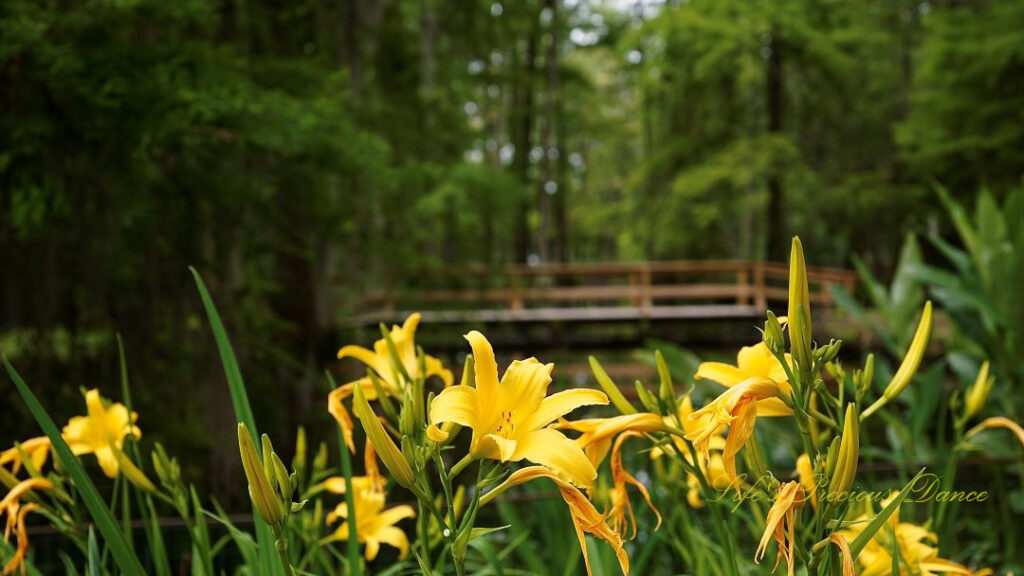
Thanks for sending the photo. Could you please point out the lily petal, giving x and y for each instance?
(561, 403)
(486, 372)
(724, 374)
(457, 404)
(550, 448)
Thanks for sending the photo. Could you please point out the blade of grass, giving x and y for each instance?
(243, 412)
(98, 510)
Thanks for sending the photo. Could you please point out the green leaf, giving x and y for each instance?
(114, 538)
(610, 388)
(243, 411)
(878, 521)
(93, 554)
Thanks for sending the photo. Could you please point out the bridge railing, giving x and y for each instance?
(554, 291)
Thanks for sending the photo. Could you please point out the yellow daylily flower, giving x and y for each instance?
(737, 409)
(597, 433)
(94, 433)
(379, 361)
(622, 509)
(713, 469)
(585, 518)
(37, 449)
(509, 419)
(751, 361)
(781, 524)
(915, 544)
(12, 507)
(375, 525)
(805, 474)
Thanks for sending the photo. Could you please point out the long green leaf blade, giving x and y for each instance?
(243, 412)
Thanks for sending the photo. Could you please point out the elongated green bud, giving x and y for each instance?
(773, 336)
(799, 307)
(610, 388)
(267, 504)
(978, 393)
(386, 449)
(910, 363)
(666, 389)
(845, 471)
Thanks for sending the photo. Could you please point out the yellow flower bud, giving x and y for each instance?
(978, 393)
(388, 452)
(910, 362)
(799, 307)
(267, 504)
(849, 450)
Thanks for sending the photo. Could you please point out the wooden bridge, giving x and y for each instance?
(598, 292)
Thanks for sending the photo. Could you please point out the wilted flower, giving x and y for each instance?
(780, 524)
(15, 511)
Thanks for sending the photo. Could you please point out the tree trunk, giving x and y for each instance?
(523, 118)
(777, 233)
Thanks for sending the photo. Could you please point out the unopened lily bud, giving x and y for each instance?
(828, 352)
(835, 370)
(386, 449)
(646, 398)
(910, 363)
(284, 481)
(833, 457)
(267, 504)
(799, 307)
(320, 460)
(299, 462)
(773, 336)
(406, 418)
(978, 393)
(666, 390)
(863, 379)
(849, 451)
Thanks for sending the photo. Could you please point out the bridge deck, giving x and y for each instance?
(594, 292)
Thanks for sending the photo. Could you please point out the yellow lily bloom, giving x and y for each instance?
(805, 473)
(379, 360)
(16, 512)
(915, 544)
(597, 433)
(37, 449)
(713, 469)
(737, 409)
(509, 419)
(781, 524)
(751, 361)
(104, 425)
(374, 524)
(585, 518)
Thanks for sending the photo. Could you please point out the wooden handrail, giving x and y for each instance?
(640, 285)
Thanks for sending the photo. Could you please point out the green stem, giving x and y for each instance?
(352, 549)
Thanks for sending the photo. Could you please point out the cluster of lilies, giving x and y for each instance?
(518, 433)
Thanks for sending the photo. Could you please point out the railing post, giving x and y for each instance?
(516, 301)
(634, 283)
(645, 287)
(760, 299)
(743, 286)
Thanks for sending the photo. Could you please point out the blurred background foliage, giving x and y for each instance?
(304, 154)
